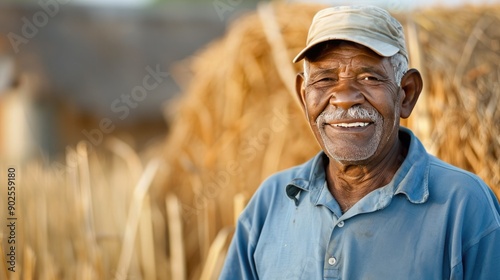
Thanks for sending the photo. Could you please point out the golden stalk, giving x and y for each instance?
(5, 272)
(134, 215)
(216, 254)
(146, 241)
(176, 239)
(29, 262)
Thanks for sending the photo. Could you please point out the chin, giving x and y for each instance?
(349, 154)
(359, 159)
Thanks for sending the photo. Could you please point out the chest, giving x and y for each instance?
(313, 243)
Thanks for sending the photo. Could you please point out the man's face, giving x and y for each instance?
(352, 103)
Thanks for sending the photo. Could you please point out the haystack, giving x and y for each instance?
(239, 121)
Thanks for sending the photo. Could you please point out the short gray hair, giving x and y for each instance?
(400, 65)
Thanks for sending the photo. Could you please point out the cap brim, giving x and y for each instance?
(381, 48)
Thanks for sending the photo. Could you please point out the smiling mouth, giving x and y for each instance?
(349, 125)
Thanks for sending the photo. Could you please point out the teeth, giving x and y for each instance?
(356, 124)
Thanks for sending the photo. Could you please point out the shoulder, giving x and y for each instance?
(276, 183)
(452, 179)
(271, 194)
(473, 218)
(465, 194)
(273, 187)
(443, 180)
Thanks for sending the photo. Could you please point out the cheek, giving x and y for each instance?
(386, 102)
(315, 105)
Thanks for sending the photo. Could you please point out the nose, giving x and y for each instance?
(346, 94)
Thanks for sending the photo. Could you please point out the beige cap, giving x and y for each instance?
(369, 26)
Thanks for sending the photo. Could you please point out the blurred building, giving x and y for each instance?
(76, 71)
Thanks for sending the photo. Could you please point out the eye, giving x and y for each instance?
(370, 78)
(324, 81)
(328, 79)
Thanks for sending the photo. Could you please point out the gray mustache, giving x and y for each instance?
(355, 112)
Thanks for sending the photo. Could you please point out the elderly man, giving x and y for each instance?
(373, 204)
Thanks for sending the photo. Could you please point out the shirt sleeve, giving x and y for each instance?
(239, 263)
(481, 257)
(481, 261)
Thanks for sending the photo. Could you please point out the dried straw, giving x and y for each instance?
(4, 261)
(177, 256)
(216, 255)
(29, 262)
(72, 217)
(134, 218)
(463, 103)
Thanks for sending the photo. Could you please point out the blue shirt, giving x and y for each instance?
(432, 221)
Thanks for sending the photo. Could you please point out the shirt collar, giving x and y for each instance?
(411, 179)
(313, 179)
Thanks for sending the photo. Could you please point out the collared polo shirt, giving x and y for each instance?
(432, 221)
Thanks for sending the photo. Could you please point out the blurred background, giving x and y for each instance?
(139, 129)
(81, 59)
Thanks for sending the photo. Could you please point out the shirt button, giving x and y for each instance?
(340, 224)
(332, 261)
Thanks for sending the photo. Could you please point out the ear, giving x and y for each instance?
(300, 90)
(412, 85)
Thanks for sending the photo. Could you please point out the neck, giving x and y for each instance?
(350, 183)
